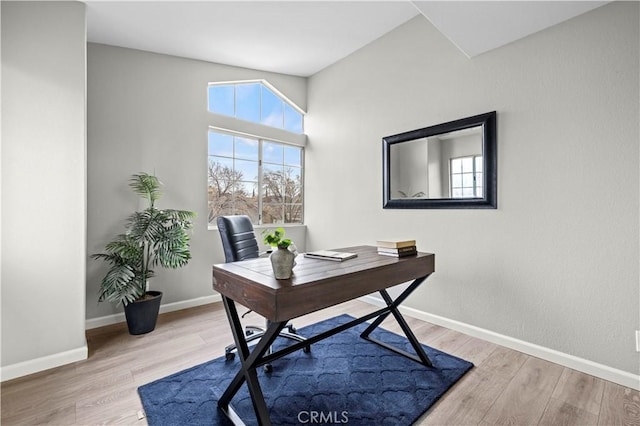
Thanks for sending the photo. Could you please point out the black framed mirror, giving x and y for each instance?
(451, 165)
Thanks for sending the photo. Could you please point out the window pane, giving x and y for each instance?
(456, 193)
(246, 148)
(246, 170)
(272, 183)
(221, 99)
(292, 119)
(272, 109)
(248, 102)
(292, 156)
(479, 178)
(456, 165)
(292, 185)
(467, 192)
(243, 205)
(220, 144)
(272, 213)
(478, 164)
(467, 164)
(456, 181)
(220, 187)
(253, 214)
(246, 198)
(273, 169)
(293, 213)
(223, 167)
(218, 207)
(221, 176)
(479, 192)
(467, 180)
(272, 152)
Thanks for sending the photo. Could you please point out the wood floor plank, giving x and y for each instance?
(117, 406)
(450, 341)
(580, 390)
(620, 406)
(476, 350)
(170, 365)
(504, 386)
(468, 401)
(503, 362)
(426, 333)
(526, 396)
(61, 415)
(44, 394)
(559, 413)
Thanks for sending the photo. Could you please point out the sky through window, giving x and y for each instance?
(254, 102)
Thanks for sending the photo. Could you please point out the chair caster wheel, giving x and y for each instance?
(248, 333)
(306, 349)
(229, 356)
(268, 368)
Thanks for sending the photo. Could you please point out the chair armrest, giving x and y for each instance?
(265, 253)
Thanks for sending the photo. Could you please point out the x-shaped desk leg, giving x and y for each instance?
(249, 362)
(421, 357)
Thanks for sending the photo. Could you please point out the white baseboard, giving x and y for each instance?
(20, 369)
(24, 368)
(169, 307)
(602, 371)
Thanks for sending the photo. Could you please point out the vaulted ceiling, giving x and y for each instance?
(303, 37)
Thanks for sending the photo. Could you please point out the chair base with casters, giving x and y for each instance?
(239, 243)
(255, 333)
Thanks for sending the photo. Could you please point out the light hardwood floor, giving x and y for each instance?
(504, 387)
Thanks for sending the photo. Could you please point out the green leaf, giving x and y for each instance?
(147, 186)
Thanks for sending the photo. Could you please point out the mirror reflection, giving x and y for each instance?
(449, 165)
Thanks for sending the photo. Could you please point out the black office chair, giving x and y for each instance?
(239, 243)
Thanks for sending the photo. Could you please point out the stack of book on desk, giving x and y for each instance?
(397, 248)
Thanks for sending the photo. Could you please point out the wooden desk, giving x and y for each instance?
(315, 284)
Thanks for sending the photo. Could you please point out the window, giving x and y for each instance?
(253, 169)
(466, 177)
(256, 177)
(256, 102)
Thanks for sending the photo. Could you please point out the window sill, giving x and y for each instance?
(269, 226)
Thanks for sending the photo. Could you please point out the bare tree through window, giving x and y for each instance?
(269, 193)
(228, 193)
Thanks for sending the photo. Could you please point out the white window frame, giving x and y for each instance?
(261, 141)
(475, 176)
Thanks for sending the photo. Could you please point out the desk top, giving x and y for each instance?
(315, 284)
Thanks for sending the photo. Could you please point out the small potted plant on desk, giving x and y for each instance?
(282, 259)
(153, 237)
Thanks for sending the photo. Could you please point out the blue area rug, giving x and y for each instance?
(344, 379)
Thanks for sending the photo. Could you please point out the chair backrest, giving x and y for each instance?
(238, 240)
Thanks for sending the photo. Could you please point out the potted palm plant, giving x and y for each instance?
(153, 237)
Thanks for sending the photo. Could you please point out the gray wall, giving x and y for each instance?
(148, 112)
(43, 183)
(557, 263)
